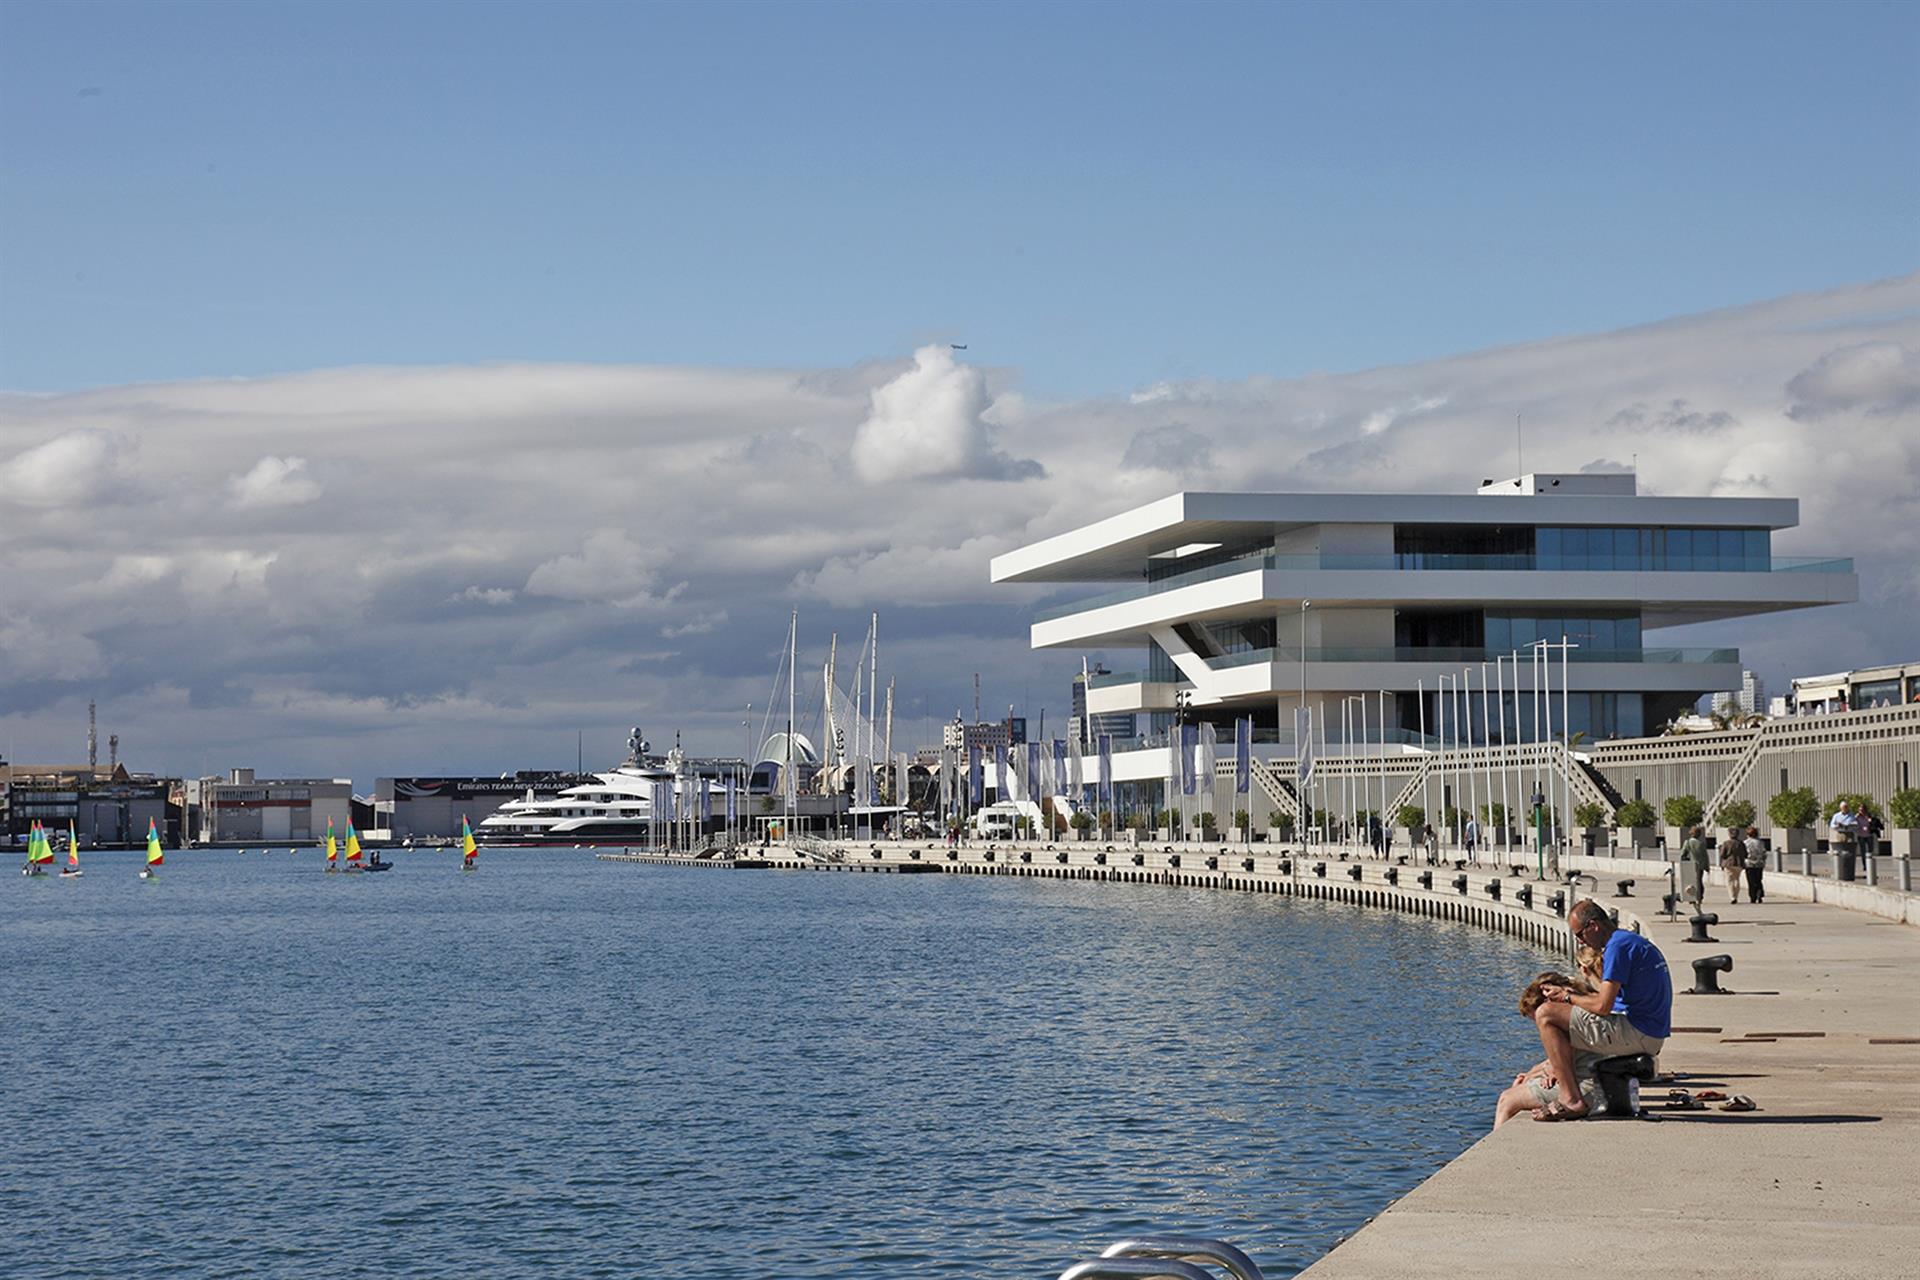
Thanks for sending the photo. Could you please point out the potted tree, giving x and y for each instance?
(1903, 821)
(1414, 819)
(1279, 826)
(1241, 822)
(1793, 813)
(1734, 815)
(1633, 825)
(1137, 827)
(1204, 821)
(1682, 815)
(1493, 825)
(1082, 824)
(1166, 825)
(1589, 817)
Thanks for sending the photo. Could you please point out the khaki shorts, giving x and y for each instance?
(1609, 1034)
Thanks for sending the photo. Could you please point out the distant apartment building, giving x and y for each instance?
(1749, 700)
(986, 735)
(1855, 690)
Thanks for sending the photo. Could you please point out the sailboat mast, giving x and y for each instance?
(873, 688)
(897, 779)
(786, 773)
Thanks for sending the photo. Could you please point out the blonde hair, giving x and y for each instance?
(1531, 998)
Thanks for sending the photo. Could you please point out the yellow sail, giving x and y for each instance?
(353, 844)
(154, 856)
(40, 849)
(467, 846)
(73, 846)
(333, 846)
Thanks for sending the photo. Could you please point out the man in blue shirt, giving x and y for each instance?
(1632, 1012)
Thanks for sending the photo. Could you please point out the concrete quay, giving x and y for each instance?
(1822, 1030)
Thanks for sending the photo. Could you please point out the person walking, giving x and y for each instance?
(1472, 835)
(1756, 867)
(1844, 826)
(1733, 857)
(1693, 867)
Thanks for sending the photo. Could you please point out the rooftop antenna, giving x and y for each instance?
(976, 697)
(579, 750)
(1519, 447)
(93, 739)
(113, 751)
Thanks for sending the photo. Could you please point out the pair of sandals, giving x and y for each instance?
(1681, 1100)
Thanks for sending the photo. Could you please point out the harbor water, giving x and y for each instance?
(558, 1066)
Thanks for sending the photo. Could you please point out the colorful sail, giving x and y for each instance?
(333, 846)
(73, 846)
(40, 849)
(467, 846)
(154, 856)
(353, 844)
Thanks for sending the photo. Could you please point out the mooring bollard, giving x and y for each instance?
(1624, 889)
(1524, 896)
(1558, 902)
(1213, 862)
(1286, 866)
(1426, 879)
(1705, 975)
(1493, 890)
(1670, 902)
(1353, 873)
(1699, 925)
(1320, 870)
(1460, 882)
(1391, 875)
(1100, 859)
(1246, 864)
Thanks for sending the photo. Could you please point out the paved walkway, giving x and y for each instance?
(1822, 1181)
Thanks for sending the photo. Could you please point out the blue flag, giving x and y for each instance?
(1106, 771)
(1033, 771)
(999, 773)
(1189, 743)
(974, 788)
(733, 805)
(1243, 756)
(706, 802)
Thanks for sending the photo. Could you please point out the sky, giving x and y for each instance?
(413, 388)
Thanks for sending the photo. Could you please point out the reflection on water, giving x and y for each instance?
(567, 1067)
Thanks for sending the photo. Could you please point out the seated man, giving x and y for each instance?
(1632, 1012)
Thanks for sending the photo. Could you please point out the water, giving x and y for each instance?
(564, 1067)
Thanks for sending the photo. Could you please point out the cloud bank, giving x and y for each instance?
(460, 568)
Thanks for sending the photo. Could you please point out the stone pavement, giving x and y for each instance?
(1822, 1181)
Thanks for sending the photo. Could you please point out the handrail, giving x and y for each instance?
(1134, 1269)
(1187, 1249)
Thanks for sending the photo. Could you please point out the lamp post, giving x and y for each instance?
(1303, 734)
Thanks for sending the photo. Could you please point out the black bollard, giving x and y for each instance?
(989, 855)
(1426, 879)
(1246, 864)
(1173, 859)
(1060, 857)
(1353, 872)
(1558, 902)
(1524, 896)
(1624, 889)
(1699, 925)
(1493, 890)
(1139, 859)
(1213, 863)
(1392, 874)
(1460, 882)
(1705, 981)
(1100, 859)
(953, 855)
(1286, 866)
(1026, 855)
(1320, 869)
(1669, 902)
(914, 854)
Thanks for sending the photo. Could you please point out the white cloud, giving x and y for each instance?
(611, 569)
(275, 482)
(929, 423)
(74, 467)
(1879, 377)
(491, 596)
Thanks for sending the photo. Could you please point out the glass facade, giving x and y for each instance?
(1594, 715)
(1605, 630)
(1581, 547)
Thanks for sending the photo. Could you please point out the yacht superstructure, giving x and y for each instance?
(616, 808)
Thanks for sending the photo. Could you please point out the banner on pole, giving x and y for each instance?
(733, 803)
(1106, 772)
(975, 787)
(1243, 756)
(1303, 745)
(1189, 741)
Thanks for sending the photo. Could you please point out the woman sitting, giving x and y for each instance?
(1535, 1087)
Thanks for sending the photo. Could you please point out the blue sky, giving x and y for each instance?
(1101, 196)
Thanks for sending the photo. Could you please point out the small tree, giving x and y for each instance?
(1138, 822)
(1205, 822)
(1734, 813)
(1857, 801)
(1634, 813)
(1450, 816)
(1411, 816)
(1683, 811)
(1106, 822)
(1241, 818)
(1167, 819)
(1282, 821)
(1588, 814)
(1795, 807)
(1083, 822)
(1495, 813)
(1903, 808)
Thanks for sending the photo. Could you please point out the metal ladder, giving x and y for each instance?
(1165, 1258)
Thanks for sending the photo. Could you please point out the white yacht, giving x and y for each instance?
(615, 808)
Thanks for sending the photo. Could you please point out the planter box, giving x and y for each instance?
(1236, 836)
(1633, 838)
(1906, 841)
(1794, 840)
(1163, 835)
(1676, 836)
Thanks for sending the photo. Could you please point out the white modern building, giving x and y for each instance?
(1241, 604)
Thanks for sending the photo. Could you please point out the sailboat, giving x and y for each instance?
(333, 849)
(154, 856)
(72, 868)
(353, 849)
(469, 851)
(39, 851)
